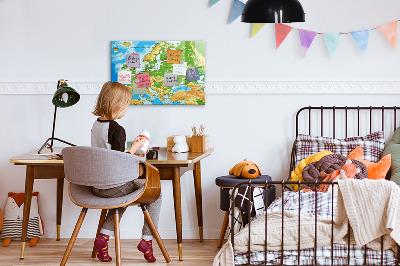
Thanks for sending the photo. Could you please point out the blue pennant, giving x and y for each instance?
(237, 9)
(361, 38)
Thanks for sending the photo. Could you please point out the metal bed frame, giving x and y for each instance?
(283, 184)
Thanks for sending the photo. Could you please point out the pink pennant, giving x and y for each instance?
(306, 39)
(389, 30)
(281, 31)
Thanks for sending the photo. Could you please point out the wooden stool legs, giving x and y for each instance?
(156, 235)
(73, 237)
(223, 229)
(117, 239)
(101, 222)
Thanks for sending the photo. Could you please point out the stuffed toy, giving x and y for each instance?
(180, 144)
(13, 215)
(328, 164)
(375, 170)
(245, 169)
(348, 170)
(296, 174)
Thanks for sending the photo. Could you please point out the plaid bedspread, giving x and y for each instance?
(307, 202)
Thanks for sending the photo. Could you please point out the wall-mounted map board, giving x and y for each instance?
(160, 72)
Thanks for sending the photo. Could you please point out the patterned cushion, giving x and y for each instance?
(372, 144)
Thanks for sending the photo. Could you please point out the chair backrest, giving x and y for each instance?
(92, 166)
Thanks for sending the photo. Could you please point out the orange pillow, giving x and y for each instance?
(375, 170)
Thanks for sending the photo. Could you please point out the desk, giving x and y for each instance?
(170, 165)
(40, 167)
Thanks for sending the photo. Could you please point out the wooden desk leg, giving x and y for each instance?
(60, 191)
(27, 206)
(199, 204)
(176, 183)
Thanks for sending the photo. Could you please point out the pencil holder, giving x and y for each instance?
(200, 143)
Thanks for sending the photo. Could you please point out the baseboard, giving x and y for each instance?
(231, 87)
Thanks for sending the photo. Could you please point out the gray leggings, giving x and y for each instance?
(154, 208)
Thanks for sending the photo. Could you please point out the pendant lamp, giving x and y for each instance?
(273, 11)
(64, 96)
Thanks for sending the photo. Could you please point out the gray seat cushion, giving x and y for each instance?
(83, 196)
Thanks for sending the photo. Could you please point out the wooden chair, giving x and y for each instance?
(85, 167)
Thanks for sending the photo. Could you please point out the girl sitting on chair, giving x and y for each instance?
(112, 104)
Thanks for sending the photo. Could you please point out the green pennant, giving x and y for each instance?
(213, 2)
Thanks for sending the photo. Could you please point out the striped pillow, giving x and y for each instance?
(372, 145)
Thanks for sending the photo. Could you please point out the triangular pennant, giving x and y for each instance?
(237, 9)
(332, 41)
(256, 27)
(389, 30)
(306, 39)
(281, 31)
(361, 37)
(213, 2)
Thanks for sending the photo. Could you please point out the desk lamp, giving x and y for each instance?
(64, 96)
(273, 11)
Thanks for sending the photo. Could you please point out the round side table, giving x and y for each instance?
(228, 182)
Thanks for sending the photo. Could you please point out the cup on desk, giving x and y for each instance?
(152, 155)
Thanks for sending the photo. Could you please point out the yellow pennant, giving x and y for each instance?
(256, 28)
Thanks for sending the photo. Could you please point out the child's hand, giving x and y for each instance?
(142, 155)
(137, 144)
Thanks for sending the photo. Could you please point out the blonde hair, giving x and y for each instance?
(112, 99)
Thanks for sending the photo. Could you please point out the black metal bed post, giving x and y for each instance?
(249, 220)
(266, 221)
(315, 222)
(333, 114)
(333, 192)
(298, 239)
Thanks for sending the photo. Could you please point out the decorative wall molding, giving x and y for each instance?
(233, 87)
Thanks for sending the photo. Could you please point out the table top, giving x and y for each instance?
(164, 157)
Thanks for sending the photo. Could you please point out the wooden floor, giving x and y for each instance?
(50, 252)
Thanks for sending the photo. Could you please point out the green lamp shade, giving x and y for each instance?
(65, 96)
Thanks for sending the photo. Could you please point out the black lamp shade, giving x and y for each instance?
(65, 96)
(273, 11)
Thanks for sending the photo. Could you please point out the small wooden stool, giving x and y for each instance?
(226, 183)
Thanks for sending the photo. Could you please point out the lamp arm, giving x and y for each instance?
(54, 126)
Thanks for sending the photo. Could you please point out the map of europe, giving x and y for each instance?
(160, 72)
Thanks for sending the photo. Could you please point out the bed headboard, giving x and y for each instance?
(344, 121)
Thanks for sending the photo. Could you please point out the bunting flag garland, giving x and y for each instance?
(389, 30)
(213, 2)
(332, 41)
(281, 31)
(361, 37)
(256, 28)
(237, 9)
(306, 39)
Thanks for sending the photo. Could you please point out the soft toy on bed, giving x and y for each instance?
(13, 215)
(317, 171)
(348, 170)
(296, 174)
(245, 169)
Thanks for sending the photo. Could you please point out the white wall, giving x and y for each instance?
(42, 41)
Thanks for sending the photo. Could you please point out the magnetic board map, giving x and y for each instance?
(160, 72)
